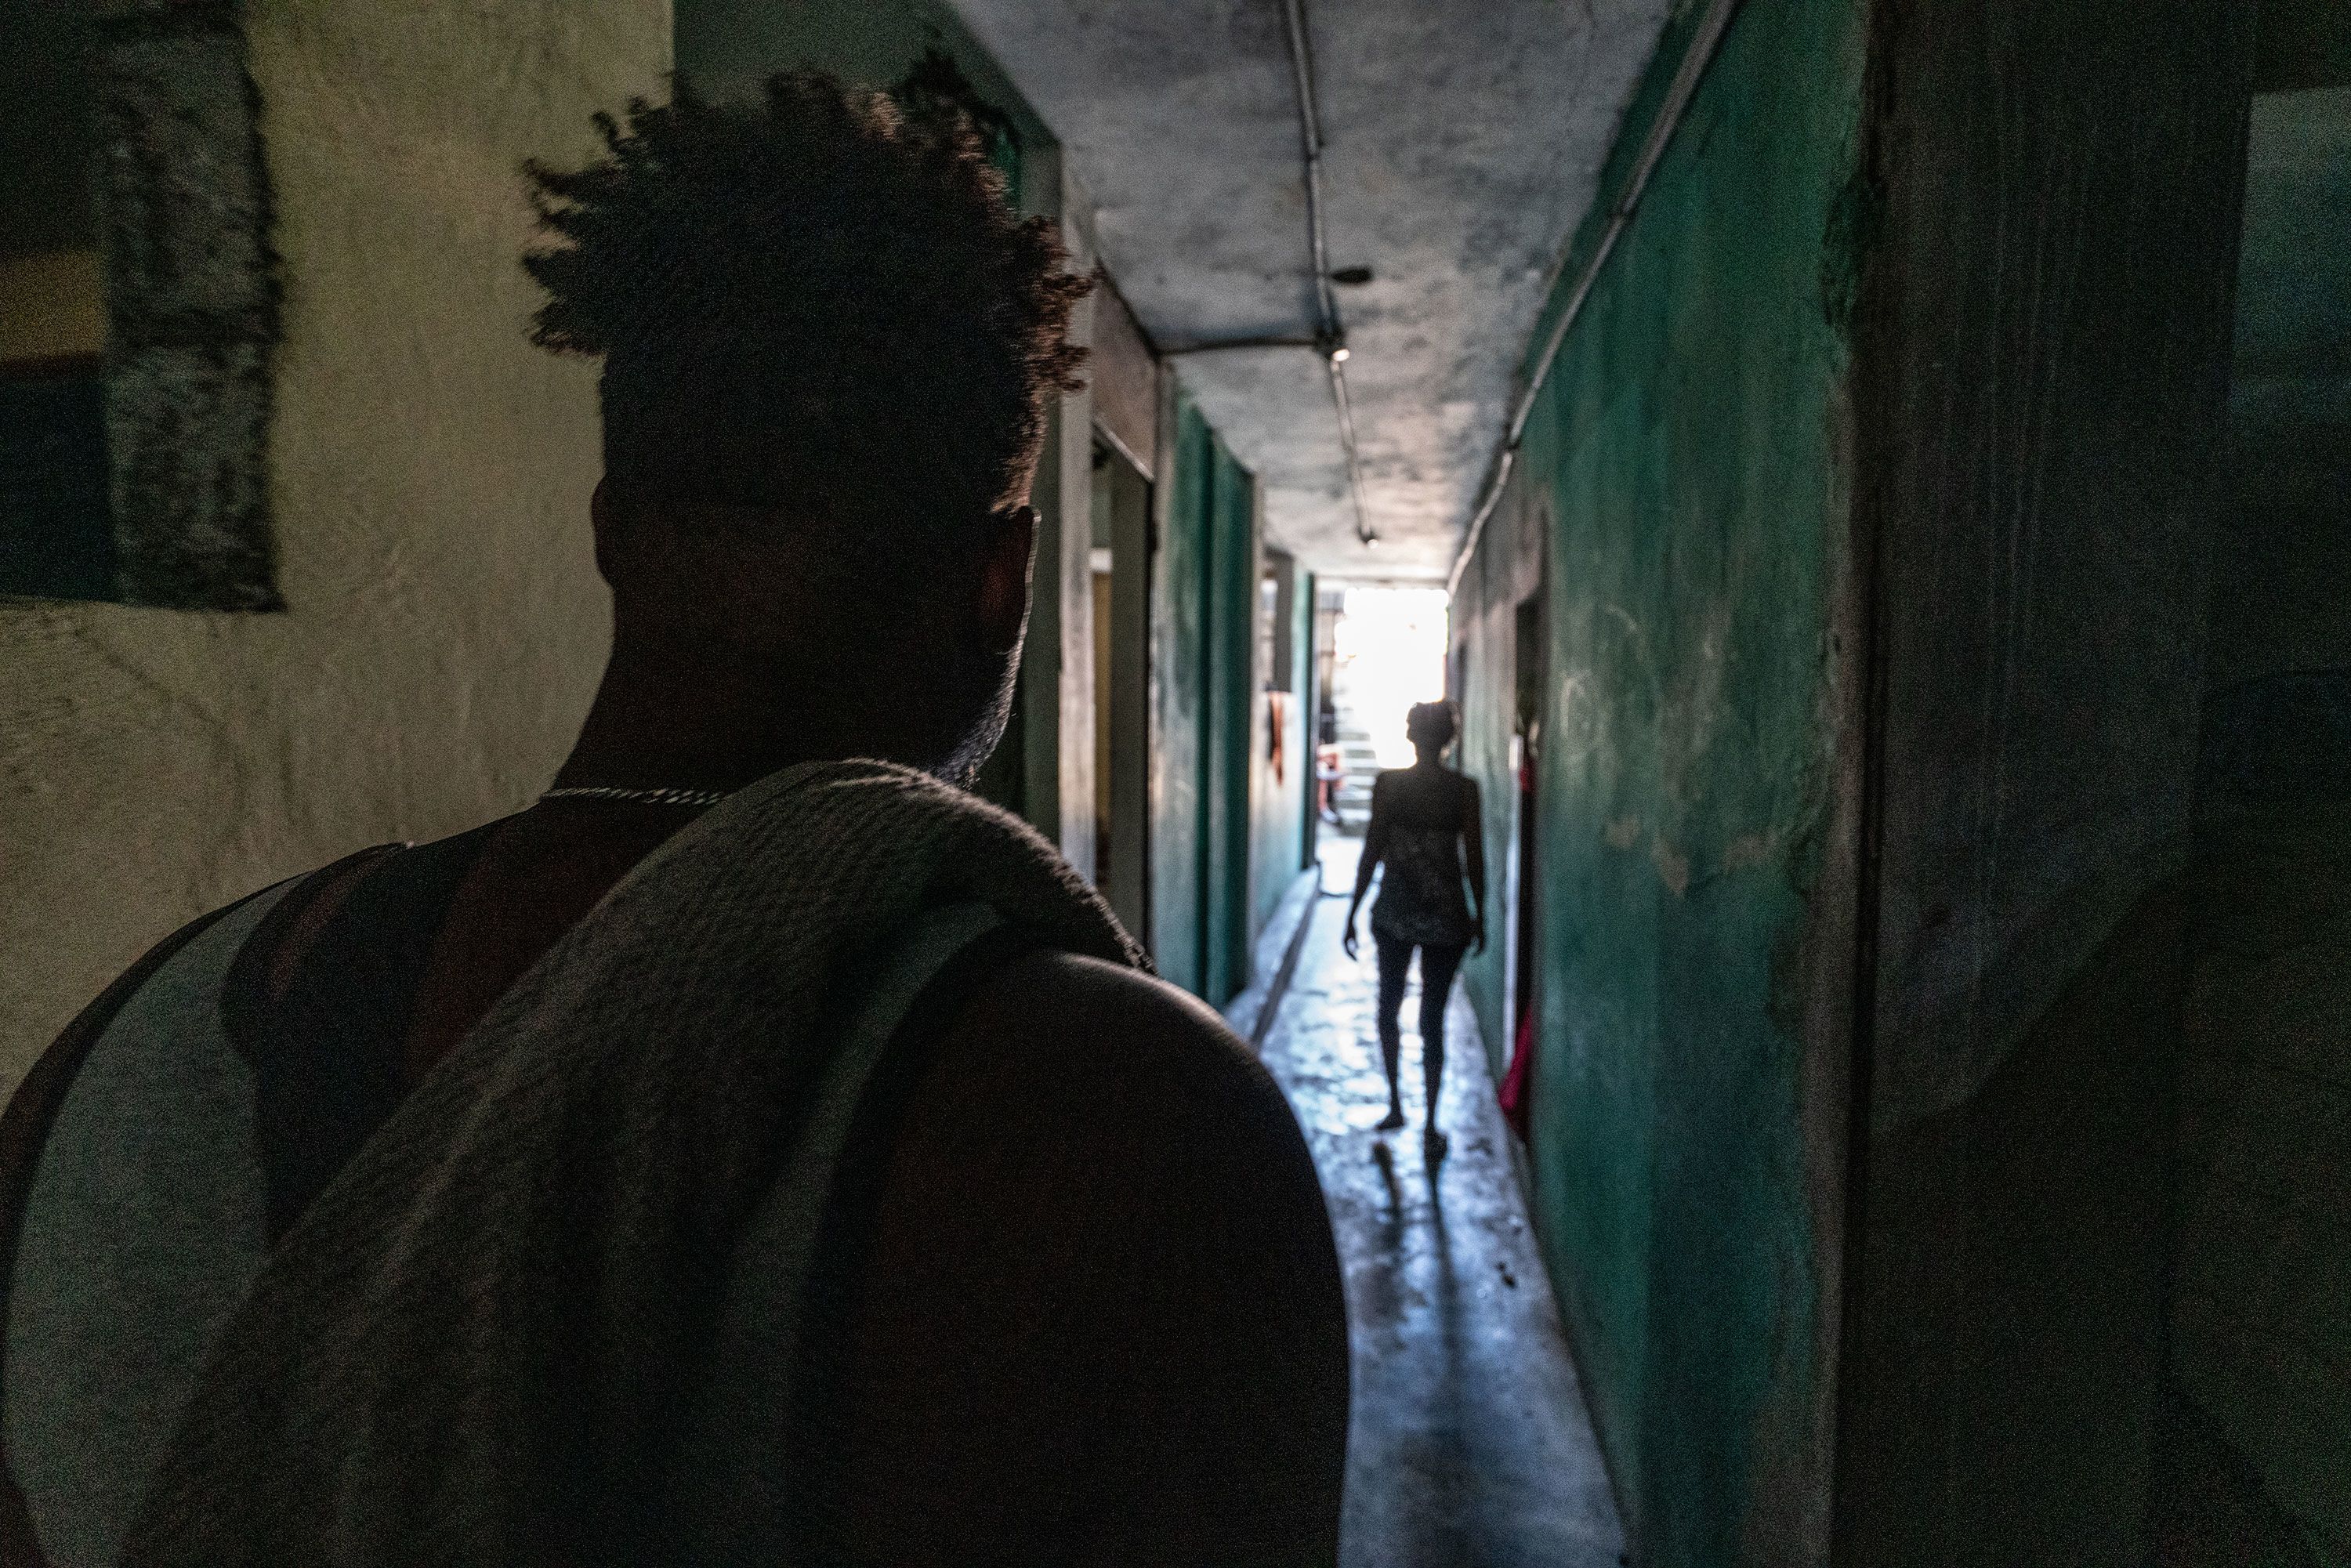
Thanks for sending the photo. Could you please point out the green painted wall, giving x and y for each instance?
(1683, 459)
(1484, 611)
(1178, 584)
(1204, 587)
(2039, 401)
(1231, 700)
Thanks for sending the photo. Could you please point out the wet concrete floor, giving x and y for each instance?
(1470, 1444)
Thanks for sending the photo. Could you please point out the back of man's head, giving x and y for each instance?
(829, 345)
(808, 302)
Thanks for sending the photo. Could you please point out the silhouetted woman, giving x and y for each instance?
(1424, 829)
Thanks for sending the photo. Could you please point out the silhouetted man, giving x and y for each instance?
(758, 1150)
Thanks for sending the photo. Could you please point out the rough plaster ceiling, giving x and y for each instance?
(1463, 141)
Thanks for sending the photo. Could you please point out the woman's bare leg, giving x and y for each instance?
(1437, 967)
(1395, 961)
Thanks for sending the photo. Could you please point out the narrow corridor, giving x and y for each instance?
(1868, 480)
(1470, 1445)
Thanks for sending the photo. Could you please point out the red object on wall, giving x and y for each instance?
(1516, 1087)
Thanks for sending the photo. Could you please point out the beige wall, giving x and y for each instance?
(430, 473)
(55, 305)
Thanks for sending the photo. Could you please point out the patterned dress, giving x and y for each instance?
(1423, 898)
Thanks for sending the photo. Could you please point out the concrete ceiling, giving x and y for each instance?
(1463, 144)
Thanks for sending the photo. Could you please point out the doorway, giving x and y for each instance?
(1120, 559)
(1531, 666)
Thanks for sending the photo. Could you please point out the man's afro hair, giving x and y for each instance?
(809, 297)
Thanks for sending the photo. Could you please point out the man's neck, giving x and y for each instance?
(649, 729)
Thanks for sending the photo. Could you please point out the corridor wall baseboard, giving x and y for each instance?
(1251, 1013)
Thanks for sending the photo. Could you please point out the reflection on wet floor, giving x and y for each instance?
(1470, 1444)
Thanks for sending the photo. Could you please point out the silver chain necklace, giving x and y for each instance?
(666, 797)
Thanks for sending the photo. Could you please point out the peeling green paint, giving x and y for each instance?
(1683, 453)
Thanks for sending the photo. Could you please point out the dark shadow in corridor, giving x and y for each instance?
(1469, 1444)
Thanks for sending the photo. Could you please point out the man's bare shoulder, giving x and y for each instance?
(1109, 1024)
(1102, 1098)
(1102, 1306)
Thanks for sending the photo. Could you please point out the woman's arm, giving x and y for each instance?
(1473, 856)
(1376, 840)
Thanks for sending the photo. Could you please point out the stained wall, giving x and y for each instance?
(1203, 696)
(429, 473)
(1682, 472)
(2041, 375)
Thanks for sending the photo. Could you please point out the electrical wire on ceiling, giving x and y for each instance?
(1330, 332)
(1695, 60)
